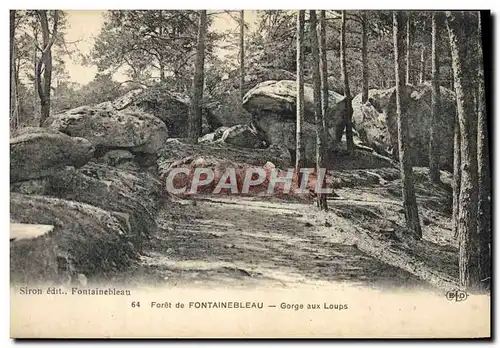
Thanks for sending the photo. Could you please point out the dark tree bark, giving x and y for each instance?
(13, 82)
(45, 61)
(456, 177)
(300, 150)
(323, 74)
(421, 75)
(467, 207)
(162, 72)
(161, 64)
(161, 67)
(347, 91)
(484, 192)
(17, 83)
(434, 152)
(320, 153)
(195, 121)
(409, 39)
(409, 199)
(12, 60)
(364, 56)
(242, 54)
(35, 81)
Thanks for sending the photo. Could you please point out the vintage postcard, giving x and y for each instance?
(250, 174)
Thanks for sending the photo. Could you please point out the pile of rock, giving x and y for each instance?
(127, 138)
(100, 214)
(273, 108)
(376, 122)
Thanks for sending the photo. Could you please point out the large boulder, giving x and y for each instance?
(89, 240)
(282, 131)
(243, 135)
(226, 105)
(133, 193)
(278, 99)
(376, 123)
(108, 128)
(273, 108)
(170, 107)
(39, 152)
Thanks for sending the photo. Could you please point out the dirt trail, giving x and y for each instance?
(240, 242)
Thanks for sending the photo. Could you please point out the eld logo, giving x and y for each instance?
(457, 295)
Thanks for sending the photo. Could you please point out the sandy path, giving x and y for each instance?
(236, 241)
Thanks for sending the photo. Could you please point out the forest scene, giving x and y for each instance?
(388, 109)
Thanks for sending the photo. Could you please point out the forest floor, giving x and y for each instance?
(235, 241)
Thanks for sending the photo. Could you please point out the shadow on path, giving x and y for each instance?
(235, 241)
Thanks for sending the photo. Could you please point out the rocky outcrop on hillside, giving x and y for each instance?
(88, 240)
(98, 215)
(107, 128)
(278, 99)
(38, 152)
(273, 108)
(376, 122)
(135, 194)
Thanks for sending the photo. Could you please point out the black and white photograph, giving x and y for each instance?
(241, 165)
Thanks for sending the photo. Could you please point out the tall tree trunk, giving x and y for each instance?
(409, 199)
(364, 56)
(300, 150)
(47, 82)
(467, 213)
(161, 63)
(456, 177)
(14, 105)
(484, 191)
(35, 82)
(320, 153)
(323, 75)
(324, 93)
(45, 61)
(242, 54)
(17, 83)
(347, 91)
(421, 75)
(162, 70)
(195, 121)
(434, 153)
(409, 39)
(14, 111)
